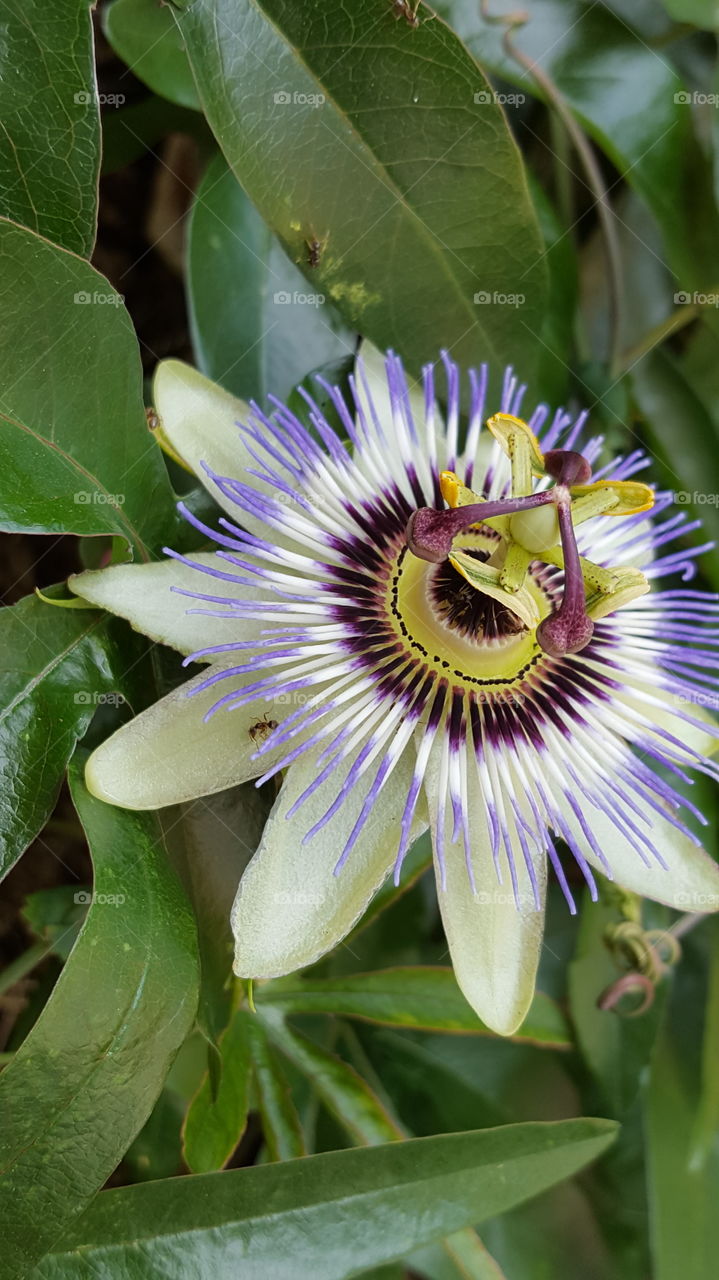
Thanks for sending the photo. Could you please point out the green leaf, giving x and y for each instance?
(214, 1125)
(56, 917)
(681, 431)
(56, 666)
(462, 1256)
(702, 13)
(257, 325)
(425, 997)
(84, 1081)
(50, 137)
(144, 35)
(328, 1216)
(75, 452)
(615, 1047)
(345, 1094)
(707, 1118)
(629, 99)
(555, 337)
(220, 834)
(683, 1188)
(157, 1149)
(280, 1122)
(131, 131)
(351, 128)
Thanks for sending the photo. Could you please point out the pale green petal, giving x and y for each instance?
(290, 908)
(143, 594)
(168, 754)
(494, 942)
(668, 717)
(691, 880)
(200, 420)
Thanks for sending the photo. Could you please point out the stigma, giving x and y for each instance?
(535, 524)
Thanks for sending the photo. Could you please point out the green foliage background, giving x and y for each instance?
(542, 193)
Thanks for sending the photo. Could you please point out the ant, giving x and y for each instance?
(403, 9)
(262, 729)
(315, 249)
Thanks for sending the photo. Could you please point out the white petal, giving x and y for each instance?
(691, 880)
(143, 594)
(494, 943)
(200, 420)
(290, 907)
(168, 754)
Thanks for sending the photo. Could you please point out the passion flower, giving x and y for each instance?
(411, 630)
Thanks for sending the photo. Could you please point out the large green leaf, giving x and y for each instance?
(629, 99)
(257, 327)
(85, 1079)
(381, 142)
(56, 667)
(328, 1216)
(50, 136)
(144, 35)
(75, 452)
(425, 997)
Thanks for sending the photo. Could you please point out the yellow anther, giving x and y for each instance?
(630, 497)
(521, 447)
(454, 492)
